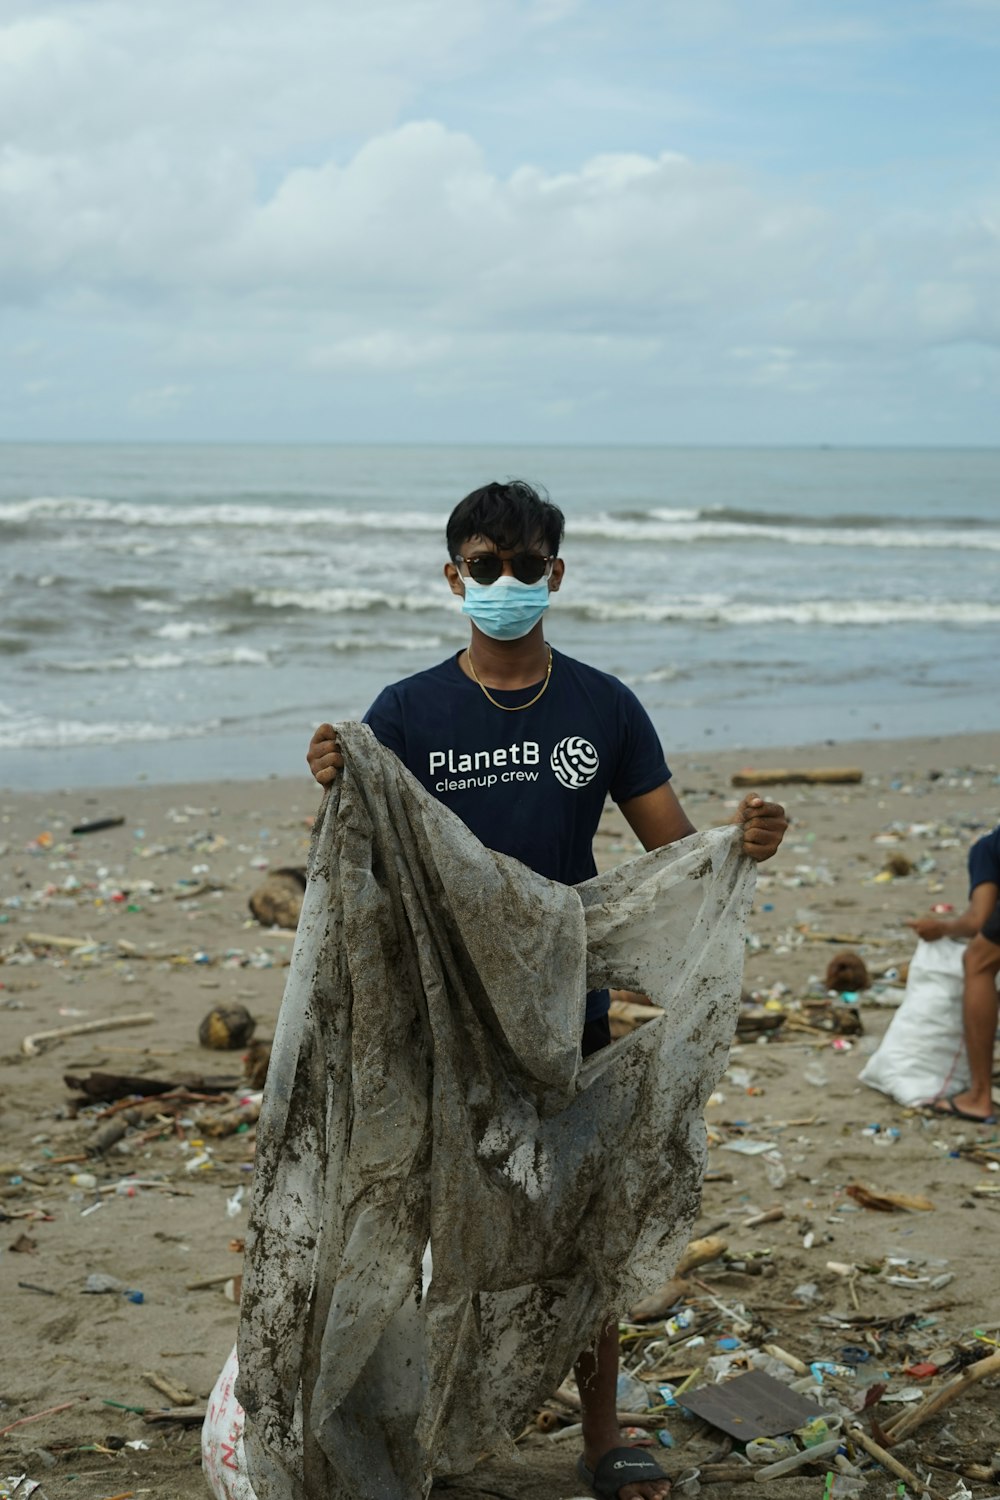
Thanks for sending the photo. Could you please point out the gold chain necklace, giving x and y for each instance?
(520, 706)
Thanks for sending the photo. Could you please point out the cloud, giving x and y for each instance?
(383, 349)
(203, 192)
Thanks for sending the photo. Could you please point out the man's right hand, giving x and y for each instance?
(324, 757)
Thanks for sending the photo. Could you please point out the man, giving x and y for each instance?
(980, 922)
(525, 745)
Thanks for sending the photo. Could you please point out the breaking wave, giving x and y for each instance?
(33, 732)
(675, 525)
(163, 661)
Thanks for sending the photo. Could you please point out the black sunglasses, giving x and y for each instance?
(527, 567)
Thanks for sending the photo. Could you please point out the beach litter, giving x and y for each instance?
(226, 1028)
(887, 1312)
(278, 901)
(813, 776)
(31, 1046)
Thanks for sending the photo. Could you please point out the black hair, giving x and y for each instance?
(509, 515)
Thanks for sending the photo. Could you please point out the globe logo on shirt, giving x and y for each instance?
(574, 761)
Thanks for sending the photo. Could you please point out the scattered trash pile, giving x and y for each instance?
(177, 1126)
(828, 1009)
(63, 952)
(183, 1128)
(706, 1381)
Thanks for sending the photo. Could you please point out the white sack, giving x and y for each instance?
(222, 1456)
(426, 1083)
(922, 1055)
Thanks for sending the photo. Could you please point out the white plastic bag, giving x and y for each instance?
(222, 1439)
(922, 1056)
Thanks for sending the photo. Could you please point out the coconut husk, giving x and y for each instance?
(226, 1028)
(847, 971)
(278, 902)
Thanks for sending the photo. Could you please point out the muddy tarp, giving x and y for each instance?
(426, 1085)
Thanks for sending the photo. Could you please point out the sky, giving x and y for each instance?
(532, 221)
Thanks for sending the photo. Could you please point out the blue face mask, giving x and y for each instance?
(505, 610)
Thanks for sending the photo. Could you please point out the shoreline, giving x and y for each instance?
(980, 746)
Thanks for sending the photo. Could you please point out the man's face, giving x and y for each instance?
(529, 564)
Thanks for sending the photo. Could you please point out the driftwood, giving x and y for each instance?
(48, 940)
(228, 1121)
(188, 1416)
(932, 1404)
(105, 1088)
(176, 1394)
(853, 938)
(98, 825)
(876, 1451)
(698, 1253)
(821, 775)
(32, 1045)
(887, 1203)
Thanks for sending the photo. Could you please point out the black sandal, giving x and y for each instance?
(619, 1467)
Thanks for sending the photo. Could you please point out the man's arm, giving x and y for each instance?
(657, 818)
(968, 924)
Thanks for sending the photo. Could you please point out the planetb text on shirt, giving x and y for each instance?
(573, 762)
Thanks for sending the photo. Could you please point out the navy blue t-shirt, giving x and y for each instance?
(530, 784)
(984, 861)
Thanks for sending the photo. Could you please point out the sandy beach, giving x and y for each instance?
(157, 907)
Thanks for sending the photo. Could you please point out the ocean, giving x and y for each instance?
(182, 613)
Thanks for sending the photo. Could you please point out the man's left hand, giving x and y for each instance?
(764, 825)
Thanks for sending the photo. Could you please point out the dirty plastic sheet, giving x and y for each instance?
(426, 1085)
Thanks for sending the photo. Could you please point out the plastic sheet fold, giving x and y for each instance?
(425, 1086)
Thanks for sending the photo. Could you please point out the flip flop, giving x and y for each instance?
(619, 1467)
(950, 1110)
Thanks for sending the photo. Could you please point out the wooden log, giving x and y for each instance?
(188, 1416)
(228, 1122)
(876, 1451)
(32, 1045)
(817, 776)
(176, 1394)
(48, 940)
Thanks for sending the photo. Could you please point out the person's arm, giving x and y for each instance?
(657, 818)
(967, 924)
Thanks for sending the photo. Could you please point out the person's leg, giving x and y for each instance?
(597, 1369)
(979, 1019)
